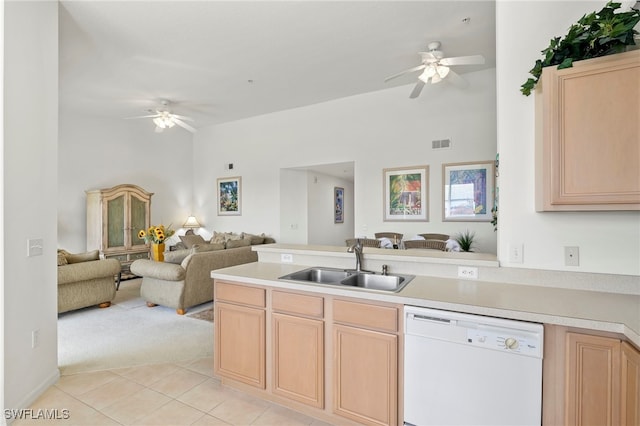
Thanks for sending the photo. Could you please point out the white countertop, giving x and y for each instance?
(594, 310)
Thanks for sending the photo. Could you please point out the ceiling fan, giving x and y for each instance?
(163, 118)
(437, 68)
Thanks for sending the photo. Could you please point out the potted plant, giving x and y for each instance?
(465, 240)
(596, 34)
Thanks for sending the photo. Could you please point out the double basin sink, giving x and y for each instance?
(350, 278)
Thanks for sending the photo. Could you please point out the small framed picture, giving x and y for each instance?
(338, 203)
(467, 191)
(406, 192)
(230, 196)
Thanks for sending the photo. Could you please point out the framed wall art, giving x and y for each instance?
(230, 196)
(406, 194)
(468, 191)
(338, 203)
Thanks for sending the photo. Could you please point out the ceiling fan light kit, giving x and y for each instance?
(437, 68)
(163, 118)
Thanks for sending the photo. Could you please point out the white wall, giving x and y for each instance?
(97, 153)
(376, 130)
(609, 242)
(322, 228)
(30, 105)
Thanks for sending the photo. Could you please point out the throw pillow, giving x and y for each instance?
(190, 240)
(62, 258)
(255, 239)
(83, 257)
(200, 248)
(238, 243)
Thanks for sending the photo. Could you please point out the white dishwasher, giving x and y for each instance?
(462, 369)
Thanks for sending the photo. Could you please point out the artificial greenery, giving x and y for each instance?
(465, 240)
(596, 34)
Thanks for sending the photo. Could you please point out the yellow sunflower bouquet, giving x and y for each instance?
(156, 234)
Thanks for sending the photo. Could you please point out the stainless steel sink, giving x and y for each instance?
(318, 275)
(376, 281)
(350, 278)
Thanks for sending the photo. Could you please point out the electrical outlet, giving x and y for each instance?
(286, 258)
(468, 272)
(35, 339)
(516, 253)
(572, 256)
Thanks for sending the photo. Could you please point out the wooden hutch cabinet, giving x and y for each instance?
(114, 217)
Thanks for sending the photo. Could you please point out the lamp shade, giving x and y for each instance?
(191, 222)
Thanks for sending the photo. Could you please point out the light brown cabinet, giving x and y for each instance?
(332, 358)
(240, 339)
(588, 135)
(630, 386)
(589, 379)
(114, 217)
(365, 362)
(298, 347)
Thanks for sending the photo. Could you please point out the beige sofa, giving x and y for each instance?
(85, 280)
(188, 283)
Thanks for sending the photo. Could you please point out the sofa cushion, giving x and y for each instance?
(238, 243)
(190, 240)
(177, 256)
(83, 257)
(199, 248)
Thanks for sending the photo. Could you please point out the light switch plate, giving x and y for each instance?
(286, 258)
(34, 247)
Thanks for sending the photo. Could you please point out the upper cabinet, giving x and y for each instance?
(588, 135)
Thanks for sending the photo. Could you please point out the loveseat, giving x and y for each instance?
(184, 279)
(85, 280)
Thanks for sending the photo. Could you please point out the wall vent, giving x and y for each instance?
(441, 144)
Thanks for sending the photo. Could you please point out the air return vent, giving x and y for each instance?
(441, 144)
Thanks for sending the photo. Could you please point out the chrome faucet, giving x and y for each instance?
(357, 249)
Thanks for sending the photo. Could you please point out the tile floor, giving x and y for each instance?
(162, 394)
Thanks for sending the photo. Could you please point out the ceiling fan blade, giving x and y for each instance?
(182, 117)
(456, 80)
(143, 116)
(159, 129)
(417, 89)
(429, 56)
(416, 68)
(184, 125)
(463, 60)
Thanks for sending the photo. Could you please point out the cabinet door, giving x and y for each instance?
(138, 219)
(593, 386)
(365, 375)
(298, 360)
(630, 408)
(115, 221)
(240, 343)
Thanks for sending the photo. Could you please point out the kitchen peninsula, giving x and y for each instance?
(282, 322)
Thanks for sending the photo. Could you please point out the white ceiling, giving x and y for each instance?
(220, 61)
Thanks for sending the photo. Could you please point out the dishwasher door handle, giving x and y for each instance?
(418, 317)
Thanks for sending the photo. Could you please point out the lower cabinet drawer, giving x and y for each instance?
(236, 293)
(298, 304)
(384, 318)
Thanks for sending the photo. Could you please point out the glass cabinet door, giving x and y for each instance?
(116, 222)
(138, 219)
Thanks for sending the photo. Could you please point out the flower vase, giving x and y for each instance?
(157, 252)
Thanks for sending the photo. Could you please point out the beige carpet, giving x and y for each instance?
(129, 333)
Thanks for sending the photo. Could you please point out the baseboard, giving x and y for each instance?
(32, 396)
